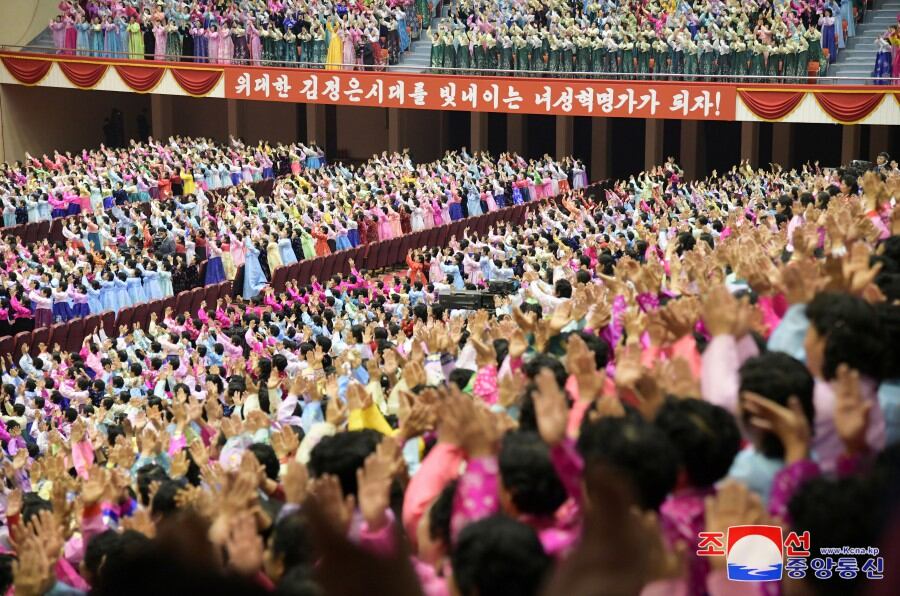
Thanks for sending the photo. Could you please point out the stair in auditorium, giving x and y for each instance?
(858, 58)
(418, 57)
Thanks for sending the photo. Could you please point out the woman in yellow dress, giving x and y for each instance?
(187, 181)
(135, 40)
(335, 56)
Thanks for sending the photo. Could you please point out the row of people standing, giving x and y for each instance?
(679, 57)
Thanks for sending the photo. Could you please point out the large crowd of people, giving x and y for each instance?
(123, 247)
(310, 33)
(668, 357)
(706, 40)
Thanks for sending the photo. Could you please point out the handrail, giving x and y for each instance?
(485, 72)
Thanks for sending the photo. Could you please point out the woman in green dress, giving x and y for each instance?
(319, 48)
(491, 54)
(463, 56)
(627, 66)
(478, 56)
(691, 60)
(423, 12)
(660, 60)
(266, 36)
(537, 54)
(449, 62)
(774, 61)
(523, 56)
(757, 62)
(582, 56)
(814, 40)
(790, 61)
(506, 55)
(707, 54)
(802, 59)
(437, 51)
(553, 57)
(597, 55)
(642, 48)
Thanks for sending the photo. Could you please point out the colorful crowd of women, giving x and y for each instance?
(703, 40)
(293, 32)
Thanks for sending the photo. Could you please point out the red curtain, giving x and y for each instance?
(195, 81)
(771, 105)
(848, 108)
(82, 74)
(140, 78)
(29, 72)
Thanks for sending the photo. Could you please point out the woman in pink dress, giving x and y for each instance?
(394, 218)
(58, 28)
(349, 48)
(255, 42)
(160, 34)
(226, 45)
(213, 47)
(436, 214)
(385, 231)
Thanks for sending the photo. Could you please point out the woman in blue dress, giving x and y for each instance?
(96, 37)
(473, 201)
(135, 288)
(152, 289)
(451, 269)
(404, 33)
(165, 282)
(254, 277)
(83, 41)
(108, 297)
(120, 285)
(285, 249)
(353, 232)
(847, 15)
(93, 298)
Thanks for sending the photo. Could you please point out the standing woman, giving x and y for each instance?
(159, 36)
(335, 48)
(827, 24)
(83, 36)
(58, 27)
(97, 38)
(135, 40)
(201, 42)
(173, 41)
(71, 40)
(212, 44)
(241, 44)
(149, 39)
(226, 45)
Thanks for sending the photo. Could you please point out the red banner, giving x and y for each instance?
(771, 105)
(27, 70)
(83, 74)
(142, 79)
(558, 97)
(194, 81)
(849, 108)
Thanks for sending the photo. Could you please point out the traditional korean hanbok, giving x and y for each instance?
(254, 276)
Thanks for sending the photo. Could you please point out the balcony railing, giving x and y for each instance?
(445, 71)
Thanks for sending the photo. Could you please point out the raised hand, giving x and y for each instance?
(551, 408)
(244, 545)
(789, 424)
